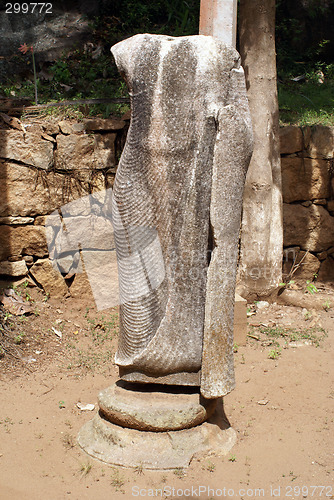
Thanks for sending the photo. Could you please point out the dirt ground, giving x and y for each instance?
(282, 408)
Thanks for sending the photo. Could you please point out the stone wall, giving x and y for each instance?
(44, 165)
(307, 161)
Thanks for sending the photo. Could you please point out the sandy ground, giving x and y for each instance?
(281, 409)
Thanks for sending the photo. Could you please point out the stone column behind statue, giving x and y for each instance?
(177, 207)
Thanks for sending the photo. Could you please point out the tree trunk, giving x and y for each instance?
(260, 265)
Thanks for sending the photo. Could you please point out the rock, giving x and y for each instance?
(291, 139)
(320, 141)
(17, 268)
(75, 152)
(78, 127)
(262, 304)
(40, 220)
(29, 260)
(14, 258)
(127, 116)
(80, 288)
(326, 272)
(51, 128)
(320, 201)
(311, 228)
(65, 127)
(16, 221)
(309, 266)
(21, 240)
(30, 192)
(51, 281)
(27, 148)
(34, 128)
(330, 205)
(307, 203)
(304, 179)
(104, 124)
(322, 255)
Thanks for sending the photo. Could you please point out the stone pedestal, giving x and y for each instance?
(155, 427)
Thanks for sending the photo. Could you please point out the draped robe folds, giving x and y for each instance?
(176, 209)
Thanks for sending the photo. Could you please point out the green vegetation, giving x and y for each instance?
(314, 335)
(304, 59)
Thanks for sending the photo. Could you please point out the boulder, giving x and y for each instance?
(80, 288)
(304, 179)
(312, 228)
(17, 268)
(104, 124)
(65, 127)
(30, 192)
(291, 139)
(75, 152)
(16, 221)
(51, 281)
(29, 240)
(309, 265)
(326, 272)
(28, 148)
(320, 141)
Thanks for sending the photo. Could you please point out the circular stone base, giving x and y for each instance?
(154, 407)
(116, 445)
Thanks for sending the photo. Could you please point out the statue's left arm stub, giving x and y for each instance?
(232, 155)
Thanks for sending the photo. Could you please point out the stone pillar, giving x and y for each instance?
(218, 18)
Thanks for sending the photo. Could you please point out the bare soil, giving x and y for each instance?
(282, 408)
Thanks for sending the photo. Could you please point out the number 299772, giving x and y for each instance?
(28, 8)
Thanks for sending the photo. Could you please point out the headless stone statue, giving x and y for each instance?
(177, 203)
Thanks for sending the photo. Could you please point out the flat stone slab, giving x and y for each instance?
(151, 407)
(116, 445)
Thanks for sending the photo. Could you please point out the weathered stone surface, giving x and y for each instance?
(29, 260)
(78, 127)
(51, 281)
(291, 139)
(17, 268)
(322, 255)
(304, 179)
(22, 240)
(320, 201)
(51, 128)
(320, 141)
(155, 450)
(311, 228)
(145, 408)
(190, 131)
(104, 124)
(16, 221)
(30, 192)
(75, 152)
(326, 272)
(309, 265)
(27, 148)
(80, 287)
(330, 205)
(65, 127)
